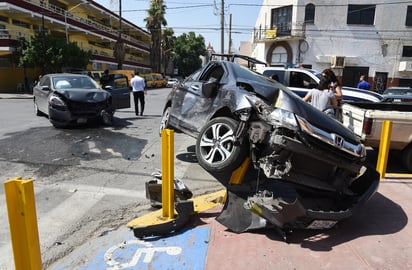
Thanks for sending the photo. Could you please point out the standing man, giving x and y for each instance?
(105, 79)
(139, 91)
(363, 84)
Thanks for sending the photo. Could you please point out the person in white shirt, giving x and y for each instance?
(139, 90)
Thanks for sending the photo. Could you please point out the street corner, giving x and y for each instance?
(185, 249)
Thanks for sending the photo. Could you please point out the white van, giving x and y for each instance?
(300, 80)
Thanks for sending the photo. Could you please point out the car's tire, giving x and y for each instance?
(36, 110)
(407, 158)
(216, 148)
(58, 125)
(107, 118)
(164, 123)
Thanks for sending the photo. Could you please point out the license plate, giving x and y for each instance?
(82, 120)
(322, 224)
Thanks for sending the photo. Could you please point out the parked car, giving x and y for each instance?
(236, 113)
(69, 99)
(397, 94)
(301, 80)
(172, 82)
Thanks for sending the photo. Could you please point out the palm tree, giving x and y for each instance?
(154, 23)
(167, 46)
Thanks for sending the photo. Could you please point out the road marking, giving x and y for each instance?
(148, 251)
(141, 194)
(57, 221)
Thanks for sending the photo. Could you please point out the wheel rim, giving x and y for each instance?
(217, 143)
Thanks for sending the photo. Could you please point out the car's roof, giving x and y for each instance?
(66, 74)
(398, 90)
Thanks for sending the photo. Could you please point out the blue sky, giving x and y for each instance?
(199, 16)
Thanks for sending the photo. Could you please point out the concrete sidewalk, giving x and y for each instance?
(377, 237)
(15, 96)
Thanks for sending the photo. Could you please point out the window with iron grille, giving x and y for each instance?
(361, 14)
(407, 51)
(282, 20)
(409, 16)
(310, 13)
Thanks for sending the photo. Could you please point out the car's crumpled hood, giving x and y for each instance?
(82, 95)
(282, 97)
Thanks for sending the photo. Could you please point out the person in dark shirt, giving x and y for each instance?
(105, 80)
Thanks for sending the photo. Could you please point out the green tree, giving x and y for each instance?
(187, 51)
(52, 54)
(154, 22)
(167, 46)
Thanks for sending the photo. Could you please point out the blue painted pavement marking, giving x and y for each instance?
(184, 250)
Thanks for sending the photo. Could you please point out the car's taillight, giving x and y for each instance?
(367, 126)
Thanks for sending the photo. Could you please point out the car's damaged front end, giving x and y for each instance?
(314, 168)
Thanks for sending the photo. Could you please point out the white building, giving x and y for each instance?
(353, 37)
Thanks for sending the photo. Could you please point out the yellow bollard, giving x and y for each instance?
(21, 209)
(168, 173)
(384, 148)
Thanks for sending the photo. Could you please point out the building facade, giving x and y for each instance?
(89, 24)
(353, 37)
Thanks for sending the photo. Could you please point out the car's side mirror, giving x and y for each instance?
(209, 89)
(45, 88)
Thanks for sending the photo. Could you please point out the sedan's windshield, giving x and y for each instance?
(68, 82)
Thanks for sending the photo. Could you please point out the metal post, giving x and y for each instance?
(23, 224)
(384, 148)
(65, 26)
(222, 27)
(65, 19)
(168, 173)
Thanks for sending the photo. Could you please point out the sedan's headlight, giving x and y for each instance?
(57, 102)
(283, 118)
(273, 116)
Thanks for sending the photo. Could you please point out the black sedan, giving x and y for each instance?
(69, 99)
(397, 94)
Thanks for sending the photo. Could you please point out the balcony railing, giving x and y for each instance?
(295, 30)
(94, 24)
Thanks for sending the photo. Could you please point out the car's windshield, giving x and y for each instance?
(68, 82)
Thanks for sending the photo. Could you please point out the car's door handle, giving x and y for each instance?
(194, 87)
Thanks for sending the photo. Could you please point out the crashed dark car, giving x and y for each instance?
(315, 169)
(72, 99)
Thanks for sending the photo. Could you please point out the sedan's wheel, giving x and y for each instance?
(164, 123)
(107, 118)
(216, 148)
(36, 110)
(407, 158)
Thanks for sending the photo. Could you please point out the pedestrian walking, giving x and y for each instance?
(139, 91)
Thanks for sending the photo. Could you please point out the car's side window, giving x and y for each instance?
(214, 74)
(45, 81)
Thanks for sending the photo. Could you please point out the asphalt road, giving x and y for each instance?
(88, 180)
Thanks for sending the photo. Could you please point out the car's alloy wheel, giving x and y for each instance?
(216, 147)
(164, 123)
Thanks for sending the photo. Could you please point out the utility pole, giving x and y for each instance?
(222, 27)
(230, 35)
